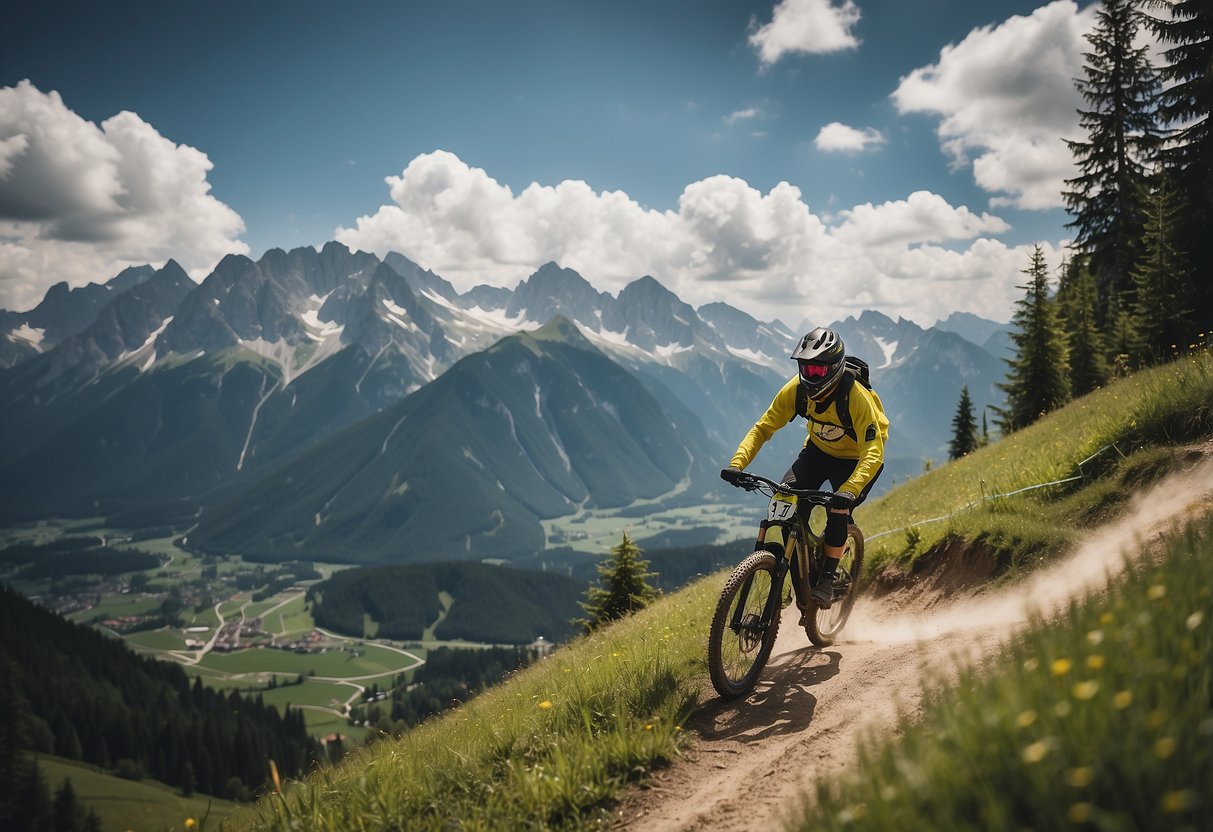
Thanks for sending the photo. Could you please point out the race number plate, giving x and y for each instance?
(780, 510)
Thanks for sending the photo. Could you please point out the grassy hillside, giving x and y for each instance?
(136, 805)
(551, 747)
(1124, 425)
(1102, 720)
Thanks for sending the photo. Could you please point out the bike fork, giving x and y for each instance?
(774, 599)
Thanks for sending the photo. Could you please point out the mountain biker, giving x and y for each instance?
(850, 459)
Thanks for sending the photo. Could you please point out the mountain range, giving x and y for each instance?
(331, 404)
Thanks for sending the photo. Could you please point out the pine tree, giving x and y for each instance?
(985, 429)
(1186, 103)
(1038, 378)
(1076, 305)
(1120, 86)
(1160, 280)
(189, 780)
(964, 427)
(623, 586)
(66, 815)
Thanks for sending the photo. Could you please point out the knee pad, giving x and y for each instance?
(836, 528)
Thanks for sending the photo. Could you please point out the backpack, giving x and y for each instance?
(854, 369)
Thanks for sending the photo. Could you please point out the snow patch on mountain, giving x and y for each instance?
(28, 335)
(889, 348)
(753, 356)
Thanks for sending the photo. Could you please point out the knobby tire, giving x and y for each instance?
(736, 658)
(823, 626)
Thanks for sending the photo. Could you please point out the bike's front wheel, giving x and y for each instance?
(744, 626)
(824, 625)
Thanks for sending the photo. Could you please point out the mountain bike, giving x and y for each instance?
(747, 615)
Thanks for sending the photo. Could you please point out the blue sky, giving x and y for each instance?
(657, 136)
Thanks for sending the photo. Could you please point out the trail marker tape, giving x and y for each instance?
(984, 497)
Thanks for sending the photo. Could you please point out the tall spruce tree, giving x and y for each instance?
(1186, 103)
(964, 427)
(1120, 87)
(623, 586)
(1038, 377)
(1162, 290)
(1076, 305)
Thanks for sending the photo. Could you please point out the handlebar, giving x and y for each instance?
(755, 482)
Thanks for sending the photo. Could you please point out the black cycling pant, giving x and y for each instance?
(812, 468)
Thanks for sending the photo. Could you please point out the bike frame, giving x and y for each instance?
(746, 620)
(802, 548)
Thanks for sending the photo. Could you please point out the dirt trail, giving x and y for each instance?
(752, 759)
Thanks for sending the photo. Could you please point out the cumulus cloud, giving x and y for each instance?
(80, 202)
(837, 136)
(1006, 94)
(806, 26)
(923, 217)
(768, 254)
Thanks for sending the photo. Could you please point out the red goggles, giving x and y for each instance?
(814, 371)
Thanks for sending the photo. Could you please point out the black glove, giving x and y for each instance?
(842, 501)
(730, 475)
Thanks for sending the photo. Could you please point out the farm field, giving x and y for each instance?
(335, 669)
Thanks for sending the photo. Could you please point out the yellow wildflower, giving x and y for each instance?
(1176, 801)
(1086, 690)
(1106, 618)
(1094, 662)
(1061, 667)
(1079, 813)
(1025, 719)
(1164, 748)
(1157, 591)
(1123, 699)
(1035, 752)
(545, 704)
(1080, 777)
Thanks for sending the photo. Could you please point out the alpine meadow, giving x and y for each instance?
(374, 382)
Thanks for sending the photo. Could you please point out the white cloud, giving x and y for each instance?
(923, 217)
(808, 26)
(1006, 94)
(768, 254)
(743, 115)
(79, 202)
(837, 136)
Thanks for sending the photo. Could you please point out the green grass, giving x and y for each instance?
(321, 724)
(292, 618)
(553, 746)
(1165, 406)
(156, 640)
(1100, 720)
(548, 749)
(116, 606)
(373, 660)
(311, 692)
(139, 806)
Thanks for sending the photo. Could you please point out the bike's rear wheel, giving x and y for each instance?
(823, 626)
(742, 636)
